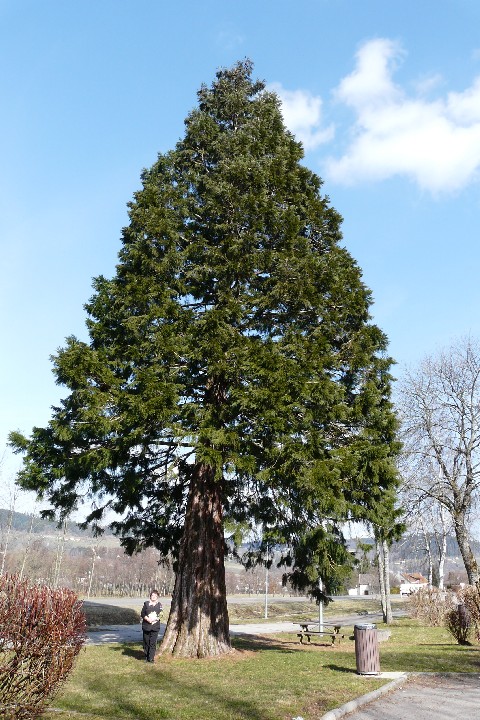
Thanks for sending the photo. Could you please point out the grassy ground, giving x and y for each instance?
(265, 678)
(99, 614)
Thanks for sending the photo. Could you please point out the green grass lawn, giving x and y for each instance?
(267, 678)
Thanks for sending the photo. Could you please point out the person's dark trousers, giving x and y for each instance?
(150, 644)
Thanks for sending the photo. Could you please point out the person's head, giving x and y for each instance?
(154, 595)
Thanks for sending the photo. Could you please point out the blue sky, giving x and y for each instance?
(384, 95)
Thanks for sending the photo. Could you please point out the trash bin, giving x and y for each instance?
(366, 649)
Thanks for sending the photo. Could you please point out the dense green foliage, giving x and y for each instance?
(235, 334)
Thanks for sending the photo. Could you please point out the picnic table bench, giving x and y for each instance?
(308, 629)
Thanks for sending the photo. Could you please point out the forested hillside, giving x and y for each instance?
(22, 522)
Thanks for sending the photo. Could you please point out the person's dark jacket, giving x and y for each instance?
(146, 610)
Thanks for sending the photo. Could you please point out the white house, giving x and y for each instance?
(412, 582)
(367, 584)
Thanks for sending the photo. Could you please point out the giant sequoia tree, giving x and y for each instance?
(232, 372)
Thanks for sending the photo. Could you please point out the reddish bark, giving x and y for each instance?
(198, 624)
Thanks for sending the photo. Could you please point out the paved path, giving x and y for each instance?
(133, 633)
(448, 696)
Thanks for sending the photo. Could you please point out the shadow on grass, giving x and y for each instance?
(340, 668)
(170, 695)
(264, 642)
(132, 651)
(256, 643)
(251, 643)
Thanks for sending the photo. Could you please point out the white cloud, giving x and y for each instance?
(371, 84)
(464, 107)
(302, 113)
(436, 143)
(425, 85)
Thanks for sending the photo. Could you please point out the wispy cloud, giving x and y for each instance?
(427, 83)
(302, 113)
(228, 38)
(436, 143)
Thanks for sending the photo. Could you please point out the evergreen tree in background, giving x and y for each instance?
(232, 374)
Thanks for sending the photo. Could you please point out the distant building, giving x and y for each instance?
(412, 582)
(368, 584)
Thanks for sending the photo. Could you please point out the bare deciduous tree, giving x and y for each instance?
(440, 409)
(9, 498)
(426, 518)
(59, 554)
(27, 547)
(382, 549)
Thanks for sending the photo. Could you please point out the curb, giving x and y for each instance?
(364, 699)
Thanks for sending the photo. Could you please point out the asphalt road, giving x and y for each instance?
(133, 633)
(448, 696)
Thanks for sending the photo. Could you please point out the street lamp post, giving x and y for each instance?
(266, 587)
(320, 607)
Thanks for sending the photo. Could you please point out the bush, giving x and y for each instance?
(459, 623)
(431, 605)
(41, 632)
(470, 597)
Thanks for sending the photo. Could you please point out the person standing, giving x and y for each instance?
(150, 613)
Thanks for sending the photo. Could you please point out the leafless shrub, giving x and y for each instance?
(431, 605)
(470, 597)
(459, 623)
(41, 632)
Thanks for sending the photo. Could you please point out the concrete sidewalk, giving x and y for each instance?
(133, 633)
(422, 696)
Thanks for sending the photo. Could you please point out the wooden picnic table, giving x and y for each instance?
(307, 629)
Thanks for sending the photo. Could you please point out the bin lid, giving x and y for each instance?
(367, 626)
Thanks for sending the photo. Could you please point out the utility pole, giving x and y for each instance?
(266, 587)
(320, 607)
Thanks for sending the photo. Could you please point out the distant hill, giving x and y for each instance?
(21, 523)
(411, 546)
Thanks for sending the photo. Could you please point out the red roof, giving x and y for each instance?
(415, 578)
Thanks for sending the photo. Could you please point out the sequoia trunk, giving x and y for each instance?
(198, 624)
